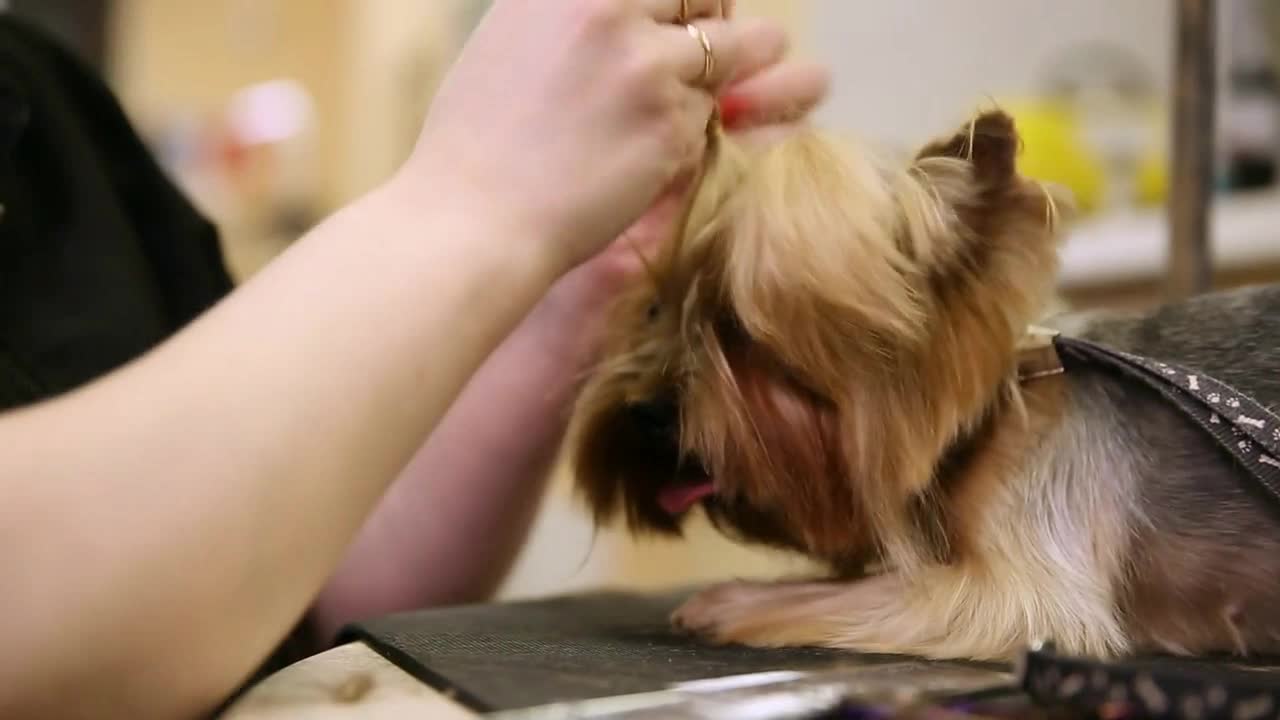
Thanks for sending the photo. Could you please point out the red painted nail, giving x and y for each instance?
(732, 109)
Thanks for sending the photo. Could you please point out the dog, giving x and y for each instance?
(833, 358)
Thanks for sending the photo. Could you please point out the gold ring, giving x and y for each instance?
(684, 12)
(709, 56)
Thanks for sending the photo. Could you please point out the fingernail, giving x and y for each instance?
(732, 109)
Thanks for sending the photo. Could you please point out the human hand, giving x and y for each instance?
(762, 104)
(564, 119)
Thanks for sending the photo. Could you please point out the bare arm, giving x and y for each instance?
(167, 524)
(278, 419)
(451, 526)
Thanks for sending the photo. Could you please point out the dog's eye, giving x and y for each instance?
(653, 311)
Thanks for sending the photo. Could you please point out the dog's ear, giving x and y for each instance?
(974, 173)
(989, 144)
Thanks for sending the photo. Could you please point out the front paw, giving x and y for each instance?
(707, 610)
(746, 613)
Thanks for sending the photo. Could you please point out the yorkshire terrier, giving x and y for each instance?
(833, 358)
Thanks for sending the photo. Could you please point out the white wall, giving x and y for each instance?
(905, 70)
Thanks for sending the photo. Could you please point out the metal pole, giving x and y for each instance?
(1190, 270)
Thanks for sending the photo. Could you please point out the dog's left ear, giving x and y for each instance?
(974, 171)
(989, 143)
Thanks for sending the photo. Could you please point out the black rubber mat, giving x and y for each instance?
(520, 655)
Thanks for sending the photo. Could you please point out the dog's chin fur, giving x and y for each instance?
(832, 344)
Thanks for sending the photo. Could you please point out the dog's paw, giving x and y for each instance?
(711, 608)
(745, 613)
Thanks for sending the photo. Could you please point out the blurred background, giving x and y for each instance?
(272, 113)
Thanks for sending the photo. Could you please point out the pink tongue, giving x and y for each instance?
(679, 498)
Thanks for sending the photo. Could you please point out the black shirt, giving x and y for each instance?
(101, 255)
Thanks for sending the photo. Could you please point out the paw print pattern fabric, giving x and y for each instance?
(1241, 425)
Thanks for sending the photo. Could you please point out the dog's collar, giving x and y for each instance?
(1037, 359)
(1037, 355)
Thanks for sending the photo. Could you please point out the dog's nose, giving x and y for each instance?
(657, 417)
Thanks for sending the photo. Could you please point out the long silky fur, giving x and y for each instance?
(836, 335)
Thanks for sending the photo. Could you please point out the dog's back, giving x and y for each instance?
(1203, 564)
(1233, 336)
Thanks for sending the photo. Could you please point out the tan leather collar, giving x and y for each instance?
(1037, 355)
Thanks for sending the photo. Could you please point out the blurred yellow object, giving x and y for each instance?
(1152, 181)
(1056, 150)
(1053, 151)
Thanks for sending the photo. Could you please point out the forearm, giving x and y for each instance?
(452, 525)
(252, 445)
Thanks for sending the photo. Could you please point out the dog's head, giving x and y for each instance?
(798, 361)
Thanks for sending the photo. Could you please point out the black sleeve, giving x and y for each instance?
(101, 255)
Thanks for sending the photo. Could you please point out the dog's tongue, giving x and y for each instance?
(677, 499)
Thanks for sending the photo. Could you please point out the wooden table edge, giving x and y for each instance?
(349, 681)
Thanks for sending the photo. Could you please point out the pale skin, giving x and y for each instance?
(167, 524)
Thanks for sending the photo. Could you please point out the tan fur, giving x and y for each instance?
(833, 341)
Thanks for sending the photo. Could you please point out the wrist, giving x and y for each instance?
(570, 321)
(466, 224)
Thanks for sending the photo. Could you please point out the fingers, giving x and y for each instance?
(697, 110)
(733, 45)
(756, 54)
(673, 11)
(782, 93)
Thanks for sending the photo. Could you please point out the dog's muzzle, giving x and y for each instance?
(659, 422)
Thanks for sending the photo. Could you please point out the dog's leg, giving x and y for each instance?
(943, 614)
(784, 614)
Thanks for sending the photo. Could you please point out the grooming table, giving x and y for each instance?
(521, 655)
(487, 659)
(612, 656)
